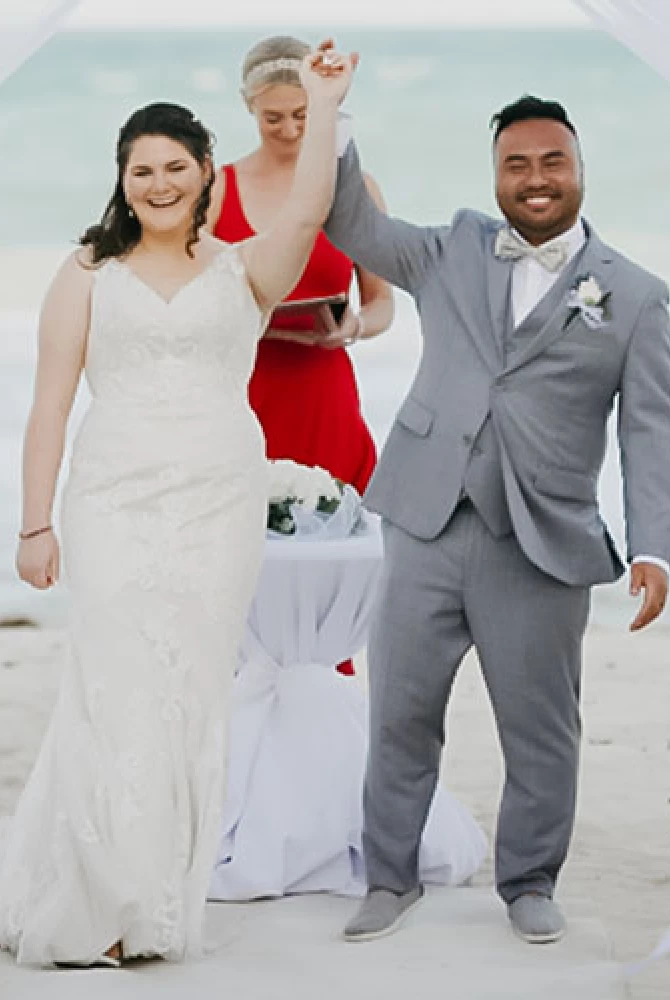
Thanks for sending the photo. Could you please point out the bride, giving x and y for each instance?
(111, 848)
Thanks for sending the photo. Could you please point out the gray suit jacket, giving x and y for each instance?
(549, 403)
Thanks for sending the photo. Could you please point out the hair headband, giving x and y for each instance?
(267, 69)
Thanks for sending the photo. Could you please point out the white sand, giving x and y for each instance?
(620, 862)
(455, 945)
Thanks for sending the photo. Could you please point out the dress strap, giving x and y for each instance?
(232, 224)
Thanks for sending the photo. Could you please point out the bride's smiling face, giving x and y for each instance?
(162, 183)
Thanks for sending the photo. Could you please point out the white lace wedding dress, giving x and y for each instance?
(163, 526)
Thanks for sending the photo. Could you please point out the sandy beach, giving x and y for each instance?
(619, 860)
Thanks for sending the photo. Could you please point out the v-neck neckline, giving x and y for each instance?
(124, 265)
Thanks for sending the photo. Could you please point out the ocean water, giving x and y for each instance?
(422, 101)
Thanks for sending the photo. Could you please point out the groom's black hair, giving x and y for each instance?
(527, 108)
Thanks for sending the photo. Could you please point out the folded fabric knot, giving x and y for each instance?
(552, 256)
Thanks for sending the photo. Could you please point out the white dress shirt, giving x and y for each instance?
(531, 282)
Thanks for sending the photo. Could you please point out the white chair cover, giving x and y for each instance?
(298, 733)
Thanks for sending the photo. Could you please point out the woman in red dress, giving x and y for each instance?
(303, 389)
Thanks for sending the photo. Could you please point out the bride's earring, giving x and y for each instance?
(131, 214)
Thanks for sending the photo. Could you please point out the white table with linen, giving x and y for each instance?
(298, 732)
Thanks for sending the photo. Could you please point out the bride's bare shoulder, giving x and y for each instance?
(75, 274)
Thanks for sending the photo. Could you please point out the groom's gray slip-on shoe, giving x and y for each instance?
(537, 919)
(381, 913)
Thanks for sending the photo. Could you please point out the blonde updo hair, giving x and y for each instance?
(272, 61)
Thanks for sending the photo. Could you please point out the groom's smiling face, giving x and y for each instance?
(539, 178)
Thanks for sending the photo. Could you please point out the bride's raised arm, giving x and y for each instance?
(276, 258)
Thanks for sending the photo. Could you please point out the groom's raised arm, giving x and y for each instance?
(397, 251)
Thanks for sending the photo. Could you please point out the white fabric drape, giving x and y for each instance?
(641, 25)
(25, 25)
(298, 734)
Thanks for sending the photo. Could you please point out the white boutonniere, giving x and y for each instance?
(588, 299)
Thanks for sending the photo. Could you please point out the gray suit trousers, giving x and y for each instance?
(437, 599)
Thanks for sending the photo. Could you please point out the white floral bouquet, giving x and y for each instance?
(303, 499)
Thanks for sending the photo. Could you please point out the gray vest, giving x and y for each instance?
(483, 482)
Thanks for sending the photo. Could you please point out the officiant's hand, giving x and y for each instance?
(342, 334)
(653, 581)
(305, 337)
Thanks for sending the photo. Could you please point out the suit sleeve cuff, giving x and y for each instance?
(344, 133)
(655, 561)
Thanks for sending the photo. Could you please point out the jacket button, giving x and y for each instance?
(468, 439)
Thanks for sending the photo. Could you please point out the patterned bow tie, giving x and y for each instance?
(552, 256)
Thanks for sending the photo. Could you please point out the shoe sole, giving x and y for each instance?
(385, 931)
(549, 938)
(104, 962)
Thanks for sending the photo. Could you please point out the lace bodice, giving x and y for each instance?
(194, 350)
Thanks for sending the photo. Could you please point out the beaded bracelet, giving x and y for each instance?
(27, 535)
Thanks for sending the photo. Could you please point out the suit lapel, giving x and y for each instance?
(473, 309)
(551, 319)
(499, 290)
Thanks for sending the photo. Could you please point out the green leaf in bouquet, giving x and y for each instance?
(280, 518)
(328, 505)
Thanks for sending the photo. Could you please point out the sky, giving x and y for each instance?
(195, 13)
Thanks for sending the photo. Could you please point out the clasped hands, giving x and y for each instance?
(327, 73)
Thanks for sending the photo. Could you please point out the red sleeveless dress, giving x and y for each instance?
(305, 397)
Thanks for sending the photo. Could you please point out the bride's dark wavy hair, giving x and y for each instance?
(119, 230)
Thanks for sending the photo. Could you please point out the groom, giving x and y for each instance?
(487, 485)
